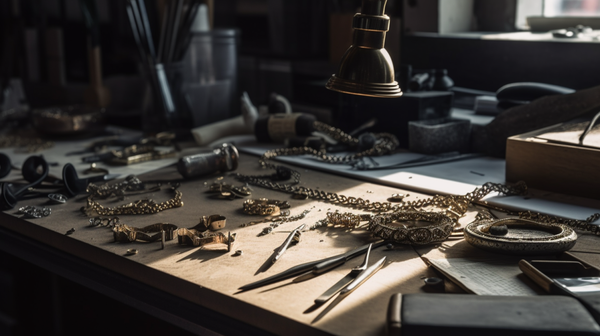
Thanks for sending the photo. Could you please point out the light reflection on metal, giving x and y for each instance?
(366, 68)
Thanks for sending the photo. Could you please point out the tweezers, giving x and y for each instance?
(324, 265)
(352, 280)
(294, 235)
(345, 280)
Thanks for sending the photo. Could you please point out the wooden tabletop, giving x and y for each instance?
(210, 277)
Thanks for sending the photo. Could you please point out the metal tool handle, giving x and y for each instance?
(286, 243)
(366, 274)
(332, 263)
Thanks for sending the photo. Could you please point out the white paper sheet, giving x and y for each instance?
(484, 277)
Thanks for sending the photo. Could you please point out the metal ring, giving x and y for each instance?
(57, 198)
(95, 169)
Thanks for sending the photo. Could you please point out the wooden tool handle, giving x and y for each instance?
(535, 275)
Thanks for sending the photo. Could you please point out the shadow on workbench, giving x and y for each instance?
(34, 301)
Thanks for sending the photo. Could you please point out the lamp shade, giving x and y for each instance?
(366, 68)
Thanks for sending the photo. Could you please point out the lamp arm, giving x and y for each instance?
(373, 7)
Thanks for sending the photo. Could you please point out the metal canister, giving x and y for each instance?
(222, 159)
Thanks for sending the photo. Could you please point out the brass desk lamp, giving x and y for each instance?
(366, 68)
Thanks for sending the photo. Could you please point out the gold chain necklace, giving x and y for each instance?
(139, 207)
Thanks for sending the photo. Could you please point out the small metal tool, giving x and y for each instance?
(306, 270)
(293, 236)
(345, 280)
(363, 276)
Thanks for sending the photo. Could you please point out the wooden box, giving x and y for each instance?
(557, 167)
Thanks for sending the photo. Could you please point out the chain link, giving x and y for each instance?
(139, 207)
(456, 206)
(584, 225)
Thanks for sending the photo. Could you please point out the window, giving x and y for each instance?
(571, 8)
(553, 8)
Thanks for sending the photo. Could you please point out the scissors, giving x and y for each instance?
(357, 276)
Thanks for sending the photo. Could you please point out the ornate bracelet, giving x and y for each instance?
(264, 207)
(439, 230)
(150, 233)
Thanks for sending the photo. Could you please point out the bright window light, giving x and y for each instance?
(571, 7)
(553, 8)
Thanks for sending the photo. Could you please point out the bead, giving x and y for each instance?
(498, 230)
(396, 198)
(433, 281)
(131, 252)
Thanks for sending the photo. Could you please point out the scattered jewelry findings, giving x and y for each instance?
(95, 169)
(70, 231)
(104, 221)
(30, 211)
(229, 192)
(396, 198)
(150, 233)
(57, 198)
(212, 222)
(131, 252)
(264, 207)
(238, 253)
(194, 237)
(288, 219)
(26, 144)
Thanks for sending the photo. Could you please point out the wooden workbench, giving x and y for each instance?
(197, 288)
(209, 278)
